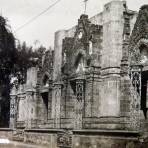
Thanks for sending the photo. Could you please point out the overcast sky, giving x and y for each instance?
(64, 15)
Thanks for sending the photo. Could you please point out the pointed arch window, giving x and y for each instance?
(80, 90)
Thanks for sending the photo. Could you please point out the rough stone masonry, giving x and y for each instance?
(91, 91)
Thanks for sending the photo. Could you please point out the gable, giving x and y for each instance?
(77, 47)
(139, 36)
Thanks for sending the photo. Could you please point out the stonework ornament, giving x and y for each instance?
(64, 139)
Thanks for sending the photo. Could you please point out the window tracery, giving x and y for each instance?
(79, 90)
(136, 79)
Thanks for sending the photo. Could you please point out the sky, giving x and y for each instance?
(63, 15)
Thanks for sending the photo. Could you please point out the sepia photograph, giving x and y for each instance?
(73, 73)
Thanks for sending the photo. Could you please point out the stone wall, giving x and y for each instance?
(112, 34)
(6, 133)
(85, 138)
(27, 99)
(81, 138)
(103, 91)
(31, 77)
(103, 142)
(110, 93)
(41, 137)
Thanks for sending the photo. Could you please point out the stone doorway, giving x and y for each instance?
(45, 104)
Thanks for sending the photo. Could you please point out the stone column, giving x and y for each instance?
(50, 100)
(56, 103)
(13, 109)
(92, 96)
(79, 103)
(125, 80)
(112, 36)
(135, 103)
(89, 98)
(31, 107)
(113, 25)
(125, 45)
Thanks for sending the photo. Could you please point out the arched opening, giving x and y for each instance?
(45, 101)
(80, 63)
(46, 81)
(144, 92)
(45, 95)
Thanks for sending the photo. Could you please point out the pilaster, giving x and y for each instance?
(56, 104)
(135, 103)
(79, 103)
(13, 108)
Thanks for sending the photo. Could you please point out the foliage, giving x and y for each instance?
(23, 61)
(7, 62)
(26, 58)
(14, 62)
(7, 52)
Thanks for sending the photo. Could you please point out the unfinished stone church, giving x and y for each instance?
(91, 91)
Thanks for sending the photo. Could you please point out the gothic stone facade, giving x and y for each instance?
(96, 78)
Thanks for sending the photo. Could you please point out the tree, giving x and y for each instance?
(7, 62)
(23, 61)
(14, 62)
